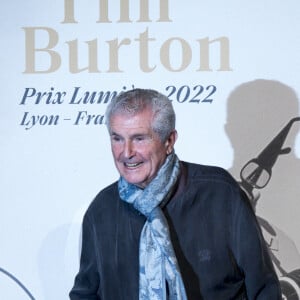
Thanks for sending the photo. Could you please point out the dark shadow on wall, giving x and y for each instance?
(256, 113)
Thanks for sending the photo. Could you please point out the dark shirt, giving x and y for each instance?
(215, 234)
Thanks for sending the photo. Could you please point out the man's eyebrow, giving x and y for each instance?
(133, 136)
(114, 133)
(139, 135)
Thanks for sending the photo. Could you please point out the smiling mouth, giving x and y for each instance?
(132, 165)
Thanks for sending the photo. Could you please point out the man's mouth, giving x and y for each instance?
(132, 165)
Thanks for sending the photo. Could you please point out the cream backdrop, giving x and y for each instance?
(55, 159)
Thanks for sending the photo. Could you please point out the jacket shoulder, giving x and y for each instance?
(104, 198)
(199, 172)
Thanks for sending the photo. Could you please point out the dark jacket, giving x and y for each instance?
(217, 240)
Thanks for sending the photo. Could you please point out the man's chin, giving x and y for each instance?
(134, 181)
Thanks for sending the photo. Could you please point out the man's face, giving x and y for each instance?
(137, 150)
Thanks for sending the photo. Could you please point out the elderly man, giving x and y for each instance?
(168, 229)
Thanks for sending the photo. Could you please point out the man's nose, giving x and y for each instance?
(128, 149)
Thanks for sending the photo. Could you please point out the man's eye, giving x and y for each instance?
(115, 138)
(139, 138)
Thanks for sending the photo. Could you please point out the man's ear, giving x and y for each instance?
(170, 142)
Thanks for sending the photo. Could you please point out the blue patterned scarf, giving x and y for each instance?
(158, 263)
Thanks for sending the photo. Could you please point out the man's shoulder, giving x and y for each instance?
(213, 180)
(105, 197)
(208, 173)
(112, 188)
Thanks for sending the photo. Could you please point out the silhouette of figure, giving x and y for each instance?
(256, 112)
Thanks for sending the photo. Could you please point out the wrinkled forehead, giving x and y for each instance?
(129, 124)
